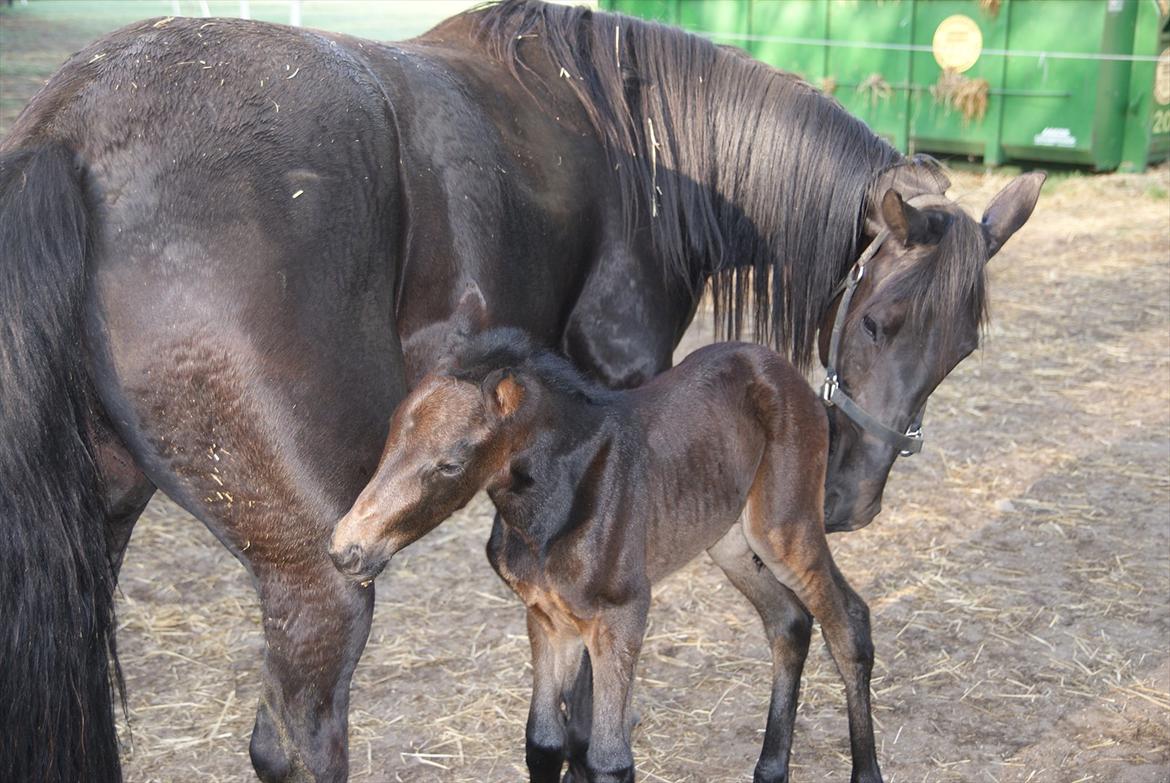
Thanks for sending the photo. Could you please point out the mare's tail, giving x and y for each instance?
(57, 661)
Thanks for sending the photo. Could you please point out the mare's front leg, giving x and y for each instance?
(627, 320)
(613, 642)
(556, 656)
(788, 626)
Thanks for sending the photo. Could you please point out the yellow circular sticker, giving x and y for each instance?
(1162, 78)
(957, 43)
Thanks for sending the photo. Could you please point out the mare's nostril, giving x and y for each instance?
(348, 560)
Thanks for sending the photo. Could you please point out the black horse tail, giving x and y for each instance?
(57, 657)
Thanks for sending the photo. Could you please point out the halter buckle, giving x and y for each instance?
(855, 275)
(829, 388)
(914, 433)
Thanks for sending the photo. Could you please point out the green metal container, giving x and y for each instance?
(1069, 81)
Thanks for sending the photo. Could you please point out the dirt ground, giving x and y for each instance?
(1019, 577)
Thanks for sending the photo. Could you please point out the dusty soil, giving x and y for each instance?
(1019, 577)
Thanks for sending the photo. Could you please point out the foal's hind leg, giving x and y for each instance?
(784, 527)
(844, 619)
(788, 626)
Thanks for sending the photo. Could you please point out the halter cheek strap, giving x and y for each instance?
(907, 443)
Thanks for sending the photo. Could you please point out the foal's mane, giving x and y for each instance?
(745, 175)
(515, 349)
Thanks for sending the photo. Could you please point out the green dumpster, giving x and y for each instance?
(1083, 82)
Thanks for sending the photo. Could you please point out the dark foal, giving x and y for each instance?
(603, 493)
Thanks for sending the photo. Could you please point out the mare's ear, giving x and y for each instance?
(1010, 209)
(917, 176)
(502, 393)
(905, 222)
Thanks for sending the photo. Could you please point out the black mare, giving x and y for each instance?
(214, 235)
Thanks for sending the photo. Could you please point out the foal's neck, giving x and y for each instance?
(550, 481)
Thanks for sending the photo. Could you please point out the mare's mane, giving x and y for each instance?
(744, 175)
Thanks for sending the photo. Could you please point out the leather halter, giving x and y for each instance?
(909, 442)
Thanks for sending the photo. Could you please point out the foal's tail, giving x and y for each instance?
(57, 655)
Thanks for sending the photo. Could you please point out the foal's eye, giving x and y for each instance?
(448, 469)
(870, 327)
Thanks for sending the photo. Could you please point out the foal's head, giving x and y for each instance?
(915, 314)
(446, 440)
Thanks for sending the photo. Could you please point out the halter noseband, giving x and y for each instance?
(909, 442)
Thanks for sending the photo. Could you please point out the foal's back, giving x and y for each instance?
(731, 425)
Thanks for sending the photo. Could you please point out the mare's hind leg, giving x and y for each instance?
(269, 469)
(315, 627)
(127, 490)
(788, 626)
(784, 526)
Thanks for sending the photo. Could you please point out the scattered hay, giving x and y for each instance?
(828, 85)
(959, 93)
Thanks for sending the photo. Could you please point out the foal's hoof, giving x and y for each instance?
(765, 775)
(577, 775)
(544, 763)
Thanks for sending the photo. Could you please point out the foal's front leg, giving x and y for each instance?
(614, 643)
(555, 659)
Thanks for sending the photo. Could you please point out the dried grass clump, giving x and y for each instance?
(828, 85)
(875, 88)
(959, 93)
(990, 7)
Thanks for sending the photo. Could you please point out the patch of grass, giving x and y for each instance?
(1157, 192)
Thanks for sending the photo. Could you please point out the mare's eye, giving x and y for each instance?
(448, 469)
(870, 327)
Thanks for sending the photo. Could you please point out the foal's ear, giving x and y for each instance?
(503, 393)
(1010, 209)
(905, 222)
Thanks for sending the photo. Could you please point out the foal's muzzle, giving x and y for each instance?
(352, 562)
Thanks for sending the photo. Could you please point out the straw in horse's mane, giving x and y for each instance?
(747, 175)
